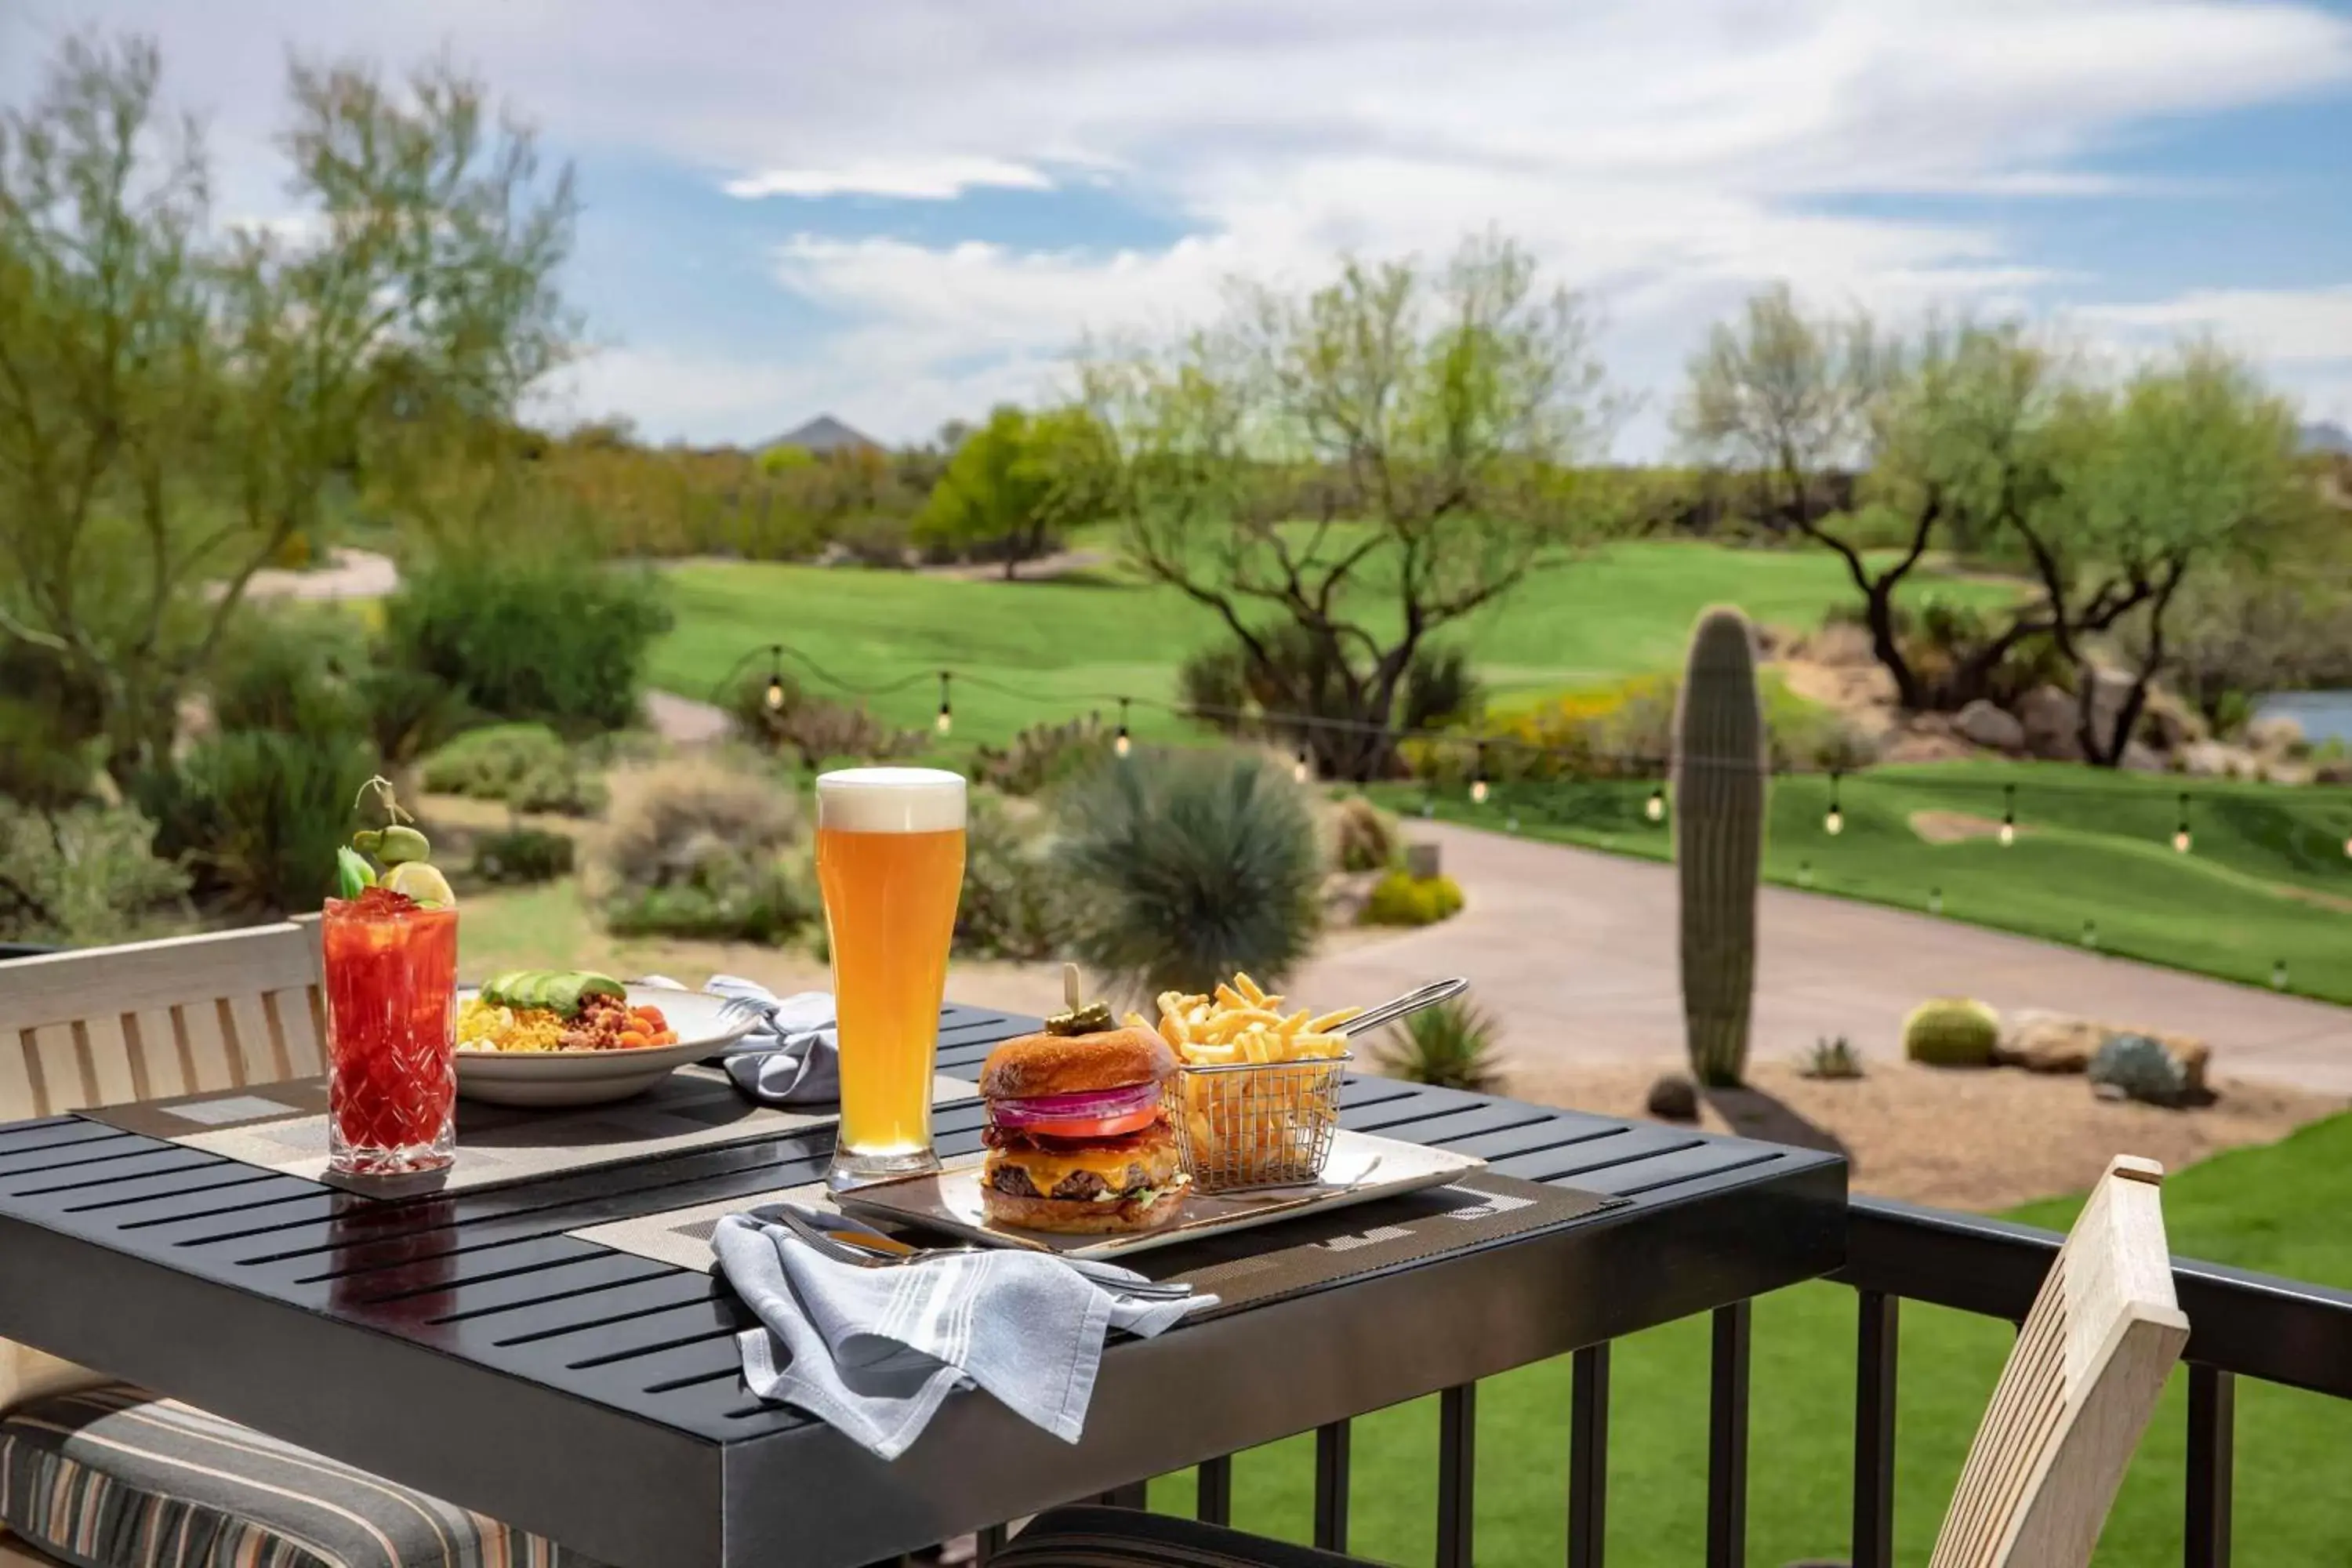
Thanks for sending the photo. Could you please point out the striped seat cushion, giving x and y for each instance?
(1087, 1537)
(115, 1477)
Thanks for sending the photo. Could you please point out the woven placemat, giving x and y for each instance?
(1243, 1267)
(283, 1127)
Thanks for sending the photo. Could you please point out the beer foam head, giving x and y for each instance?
(890, 800)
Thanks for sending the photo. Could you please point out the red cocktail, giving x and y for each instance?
(392, 993)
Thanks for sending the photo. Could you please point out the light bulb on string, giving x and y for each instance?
(2181, 839)
(1478, 787)
(1301, 769)
(946, 721)
(775, 677)
(1656, 810)
(1834, 823)
(1123, 745)
(2007, 815)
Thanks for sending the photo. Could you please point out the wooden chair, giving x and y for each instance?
(145, 1020)
(2065, 1416)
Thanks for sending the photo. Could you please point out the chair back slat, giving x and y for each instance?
(2104, 1334)
(104, 1025)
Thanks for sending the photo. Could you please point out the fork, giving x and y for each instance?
(868, 1250)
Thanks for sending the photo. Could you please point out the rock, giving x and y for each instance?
(2114, 1091)
(1673, 1098)
(1421, 862)
(2277, 736)
(2139, 757)
(1987, 725)
(2047, 714)
(2049, 1042)
(2194, 1057)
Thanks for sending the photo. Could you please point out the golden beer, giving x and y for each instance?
(889, 859)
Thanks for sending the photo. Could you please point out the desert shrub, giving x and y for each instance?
(1832, 1059)
(1942, 637)
(258, 814)
(1441, 690)
(1011, 906)
(811, 728)
(522, 855)
(875, 539)
(1363, 837)
(407, 712)
(1451, 1045)
(1212, 686)
(1951, 1032)
(1402, 899)
(1625, 730)
(527, 766)
(557, 640)
(1186, 867)
(697, 850)
(290, 666)
(82, 874)
(1043, 755)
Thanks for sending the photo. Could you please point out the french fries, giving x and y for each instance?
(1245, 1128)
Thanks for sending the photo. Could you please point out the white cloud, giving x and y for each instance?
(2283, 326)
(931, 179)
(1667, 153)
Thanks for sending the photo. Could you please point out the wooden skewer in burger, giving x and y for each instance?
(1078, 1137)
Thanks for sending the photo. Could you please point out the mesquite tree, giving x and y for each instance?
(1340, 473)
(180, 400)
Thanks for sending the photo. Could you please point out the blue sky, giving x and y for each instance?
(904, 210)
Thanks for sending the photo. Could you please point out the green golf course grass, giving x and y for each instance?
(1079, 643)
(2266, 879)
(2277, 1209)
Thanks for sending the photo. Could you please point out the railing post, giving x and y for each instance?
(2212, 1441)
(1587, 1456)
(1331, 1487)
(991, 1542)
(1215, 1481)
(1727, 1444)
(1873, 1430)
(1457, 1463)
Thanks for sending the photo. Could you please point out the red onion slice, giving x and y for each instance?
(1088, 1107)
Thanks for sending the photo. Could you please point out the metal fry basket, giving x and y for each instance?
(1258, 1124)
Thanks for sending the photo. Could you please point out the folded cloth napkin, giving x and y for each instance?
(873, 1352)
(793, 1057)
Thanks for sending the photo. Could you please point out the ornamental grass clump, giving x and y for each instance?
(1183, 867)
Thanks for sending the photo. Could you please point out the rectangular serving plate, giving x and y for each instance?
(1362, 1168)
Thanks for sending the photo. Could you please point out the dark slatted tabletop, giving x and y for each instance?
(468, 1346)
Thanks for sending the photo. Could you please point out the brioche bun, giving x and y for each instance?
(1029, 1065)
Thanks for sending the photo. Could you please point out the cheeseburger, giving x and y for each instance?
(1077, 1138)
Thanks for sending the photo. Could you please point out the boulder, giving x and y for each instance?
(2047, 714)
(2218, 760)
(2276, 736)
(2048, 1042)
(2194, 1057)
(1987, 725)
(1673, 1098)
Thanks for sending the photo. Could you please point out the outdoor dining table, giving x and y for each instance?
(467, 1345)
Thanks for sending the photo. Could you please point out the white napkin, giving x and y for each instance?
(793, 1057)
(873, 1352)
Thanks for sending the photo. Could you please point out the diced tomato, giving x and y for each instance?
(1098, 1126)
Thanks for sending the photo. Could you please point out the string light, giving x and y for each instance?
(1300, 768)
(2181, 839)
(1656, 810)
(2090, 933)
(1804, 873)
(1121, 745)
(2007, 815)
(1834, 823)
(1478, 789)
(946, 721)
(2278, 975)
(775, 677)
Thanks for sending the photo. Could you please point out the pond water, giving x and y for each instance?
(2324, 715)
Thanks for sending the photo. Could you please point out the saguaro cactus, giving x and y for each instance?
(1719, 770)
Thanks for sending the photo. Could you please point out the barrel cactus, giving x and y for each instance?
(1951, 1032)
(2141, 1068)
(1719, 771)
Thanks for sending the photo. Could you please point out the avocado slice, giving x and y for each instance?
(577, 986)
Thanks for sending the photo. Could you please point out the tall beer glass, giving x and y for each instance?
(889, 856)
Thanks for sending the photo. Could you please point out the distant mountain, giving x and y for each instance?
(2324, 436)
(825, 434)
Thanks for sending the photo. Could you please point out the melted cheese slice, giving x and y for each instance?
(1047, 1168)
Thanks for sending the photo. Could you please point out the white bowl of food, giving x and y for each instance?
(556, 1037)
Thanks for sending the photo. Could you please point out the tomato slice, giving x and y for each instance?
(1117, 1126)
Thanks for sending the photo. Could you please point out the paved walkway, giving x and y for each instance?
(1575, 951)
